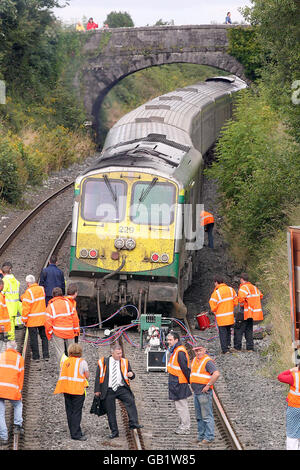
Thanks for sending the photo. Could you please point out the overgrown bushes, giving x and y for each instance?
(258, 170)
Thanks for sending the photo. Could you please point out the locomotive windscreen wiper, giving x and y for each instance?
(147, 190)
(112, 192)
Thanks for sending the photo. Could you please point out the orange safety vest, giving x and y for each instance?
(222, 302)
(70, 380)
(34, 306)
(206, 218)
(74, 310)
(4, 315)
(11, 374)
(124, 370)
(173, 364)
(249, 296)
(60, 319)
(293, 397)
(199, 374)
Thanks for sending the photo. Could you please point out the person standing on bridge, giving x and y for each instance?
(228, 18)
(91, 25)
(203, 376)
(112, 382)
(179, 375)
(11, 384)
(222, 303)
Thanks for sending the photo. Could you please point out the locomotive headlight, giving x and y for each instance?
(164, 258)
(84, 253)
(119, 243)
(93, 253)
(130, 244)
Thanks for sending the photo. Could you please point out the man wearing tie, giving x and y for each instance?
(112, 382)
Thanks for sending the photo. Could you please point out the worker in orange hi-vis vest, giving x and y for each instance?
(249, 297)
(11, 384)
(207, 221)
(72, 382)
(72, 292)
(61, 323)
(4, 318)
(34, 316)
(222, 303)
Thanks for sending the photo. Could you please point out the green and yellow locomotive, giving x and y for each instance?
(135, 228)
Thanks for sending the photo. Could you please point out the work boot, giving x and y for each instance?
(18, 429)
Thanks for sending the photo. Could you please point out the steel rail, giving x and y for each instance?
(134, 436)
(236, 444)
(14, 229)
(6, 240)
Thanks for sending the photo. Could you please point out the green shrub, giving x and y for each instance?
(258, 170)
(13, 176)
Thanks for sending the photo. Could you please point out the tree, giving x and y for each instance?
(277, 25)
(119, 20)
(25, 50)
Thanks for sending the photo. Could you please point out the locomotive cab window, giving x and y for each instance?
(104, 200)
(152, 203)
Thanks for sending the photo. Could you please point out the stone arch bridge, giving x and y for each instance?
(112, 54)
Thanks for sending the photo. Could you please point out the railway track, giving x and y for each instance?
(150, 388)
(17, 441)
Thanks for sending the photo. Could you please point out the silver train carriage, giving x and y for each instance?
(135, 228)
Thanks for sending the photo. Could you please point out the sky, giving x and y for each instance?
(147, 12)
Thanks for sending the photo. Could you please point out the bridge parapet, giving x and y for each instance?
(112, 54)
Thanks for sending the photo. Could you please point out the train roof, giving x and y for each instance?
(157, 134)
(171, 114)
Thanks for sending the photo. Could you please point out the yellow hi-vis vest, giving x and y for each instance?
(11, 291)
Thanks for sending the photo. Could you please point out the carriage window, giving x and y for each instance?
(104, 200)
(153, 203)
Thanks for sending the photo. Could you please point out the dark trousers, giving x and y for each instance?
(127, 397)
(225, 337)
(244, 327)
(209, 229)
(33, 337)
(74, 405)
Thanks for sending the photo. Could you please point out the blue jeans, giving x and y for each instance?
(204, 416)
(18, 408)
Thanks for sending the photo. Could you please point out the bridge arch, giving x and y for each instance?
(112, 54)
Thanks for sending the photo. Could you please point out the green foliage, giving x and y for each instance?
(11, 185)
(258, 170)
(41, 125)
(119, 19)
(144, 85)
(278, 34)
(244, 46)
